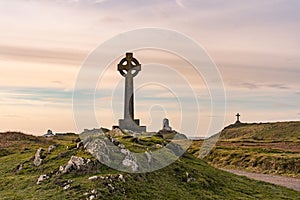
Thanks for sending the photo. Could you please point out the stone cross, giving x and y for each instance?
(129, 67)
(238, 117)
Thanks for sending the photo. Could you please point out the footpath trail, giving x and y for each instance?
(289, 182)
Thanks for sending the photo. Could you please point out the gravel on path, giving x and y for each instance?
(289, 182)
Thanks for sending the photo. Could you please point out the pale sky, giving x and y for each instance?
(43, 44)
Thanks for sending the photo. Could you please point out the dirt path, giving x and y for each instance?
(293, 183)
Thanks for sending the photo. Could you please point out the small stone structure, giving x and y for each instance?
(166, 126)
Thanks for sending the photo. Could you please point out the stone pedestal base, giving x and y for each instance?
(134, 125)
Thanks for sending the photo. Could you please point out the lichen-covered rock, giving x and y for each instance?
(38, 157)
(75, 163)
(148, 155)
(111, 152)
(116, 132)
(129, 160)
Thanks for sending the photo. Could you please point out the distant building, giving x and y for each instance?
(49, 134)
(166, 126)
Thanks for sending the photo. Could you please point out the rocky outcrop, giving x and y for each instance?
(38, 157)
(129, 160)
(111, 152)
(116, 132)
(75, 163)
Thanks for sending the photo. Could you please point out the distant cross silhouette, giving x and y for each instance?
(238, 117)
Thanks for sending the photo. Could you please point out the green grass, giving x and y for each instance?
(277, 131)
(256, 160)
(167, 183)
(264, 148)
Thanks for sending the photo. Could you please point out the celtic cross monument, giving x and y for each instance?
(129, 67)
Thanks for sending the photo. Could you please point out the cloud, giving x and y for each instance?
(35, 96)
(111, 19)
(58, 82)
(12, 116)
(180, 3)
(278, 86)
(99, 1)
(252, 86)
(44, 55)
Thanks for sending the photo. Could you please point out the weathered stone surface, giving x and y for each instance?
(189, 178)
(129, 67)
(121, 177)
(111, 152)
(166, 125)
(51, 148)
(122, 146)
(148, 155)
(93, 178)
(79, 145)
(61, 168)
(116, 132)
(129, 160)
(38, 158)
(42, 178)
(67, 184)
(75, 163)
(18, 168)
(66, 187)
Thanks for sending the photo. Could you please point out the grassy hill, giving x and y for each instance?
(277, 131)
(187, 178)
(263, 148)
